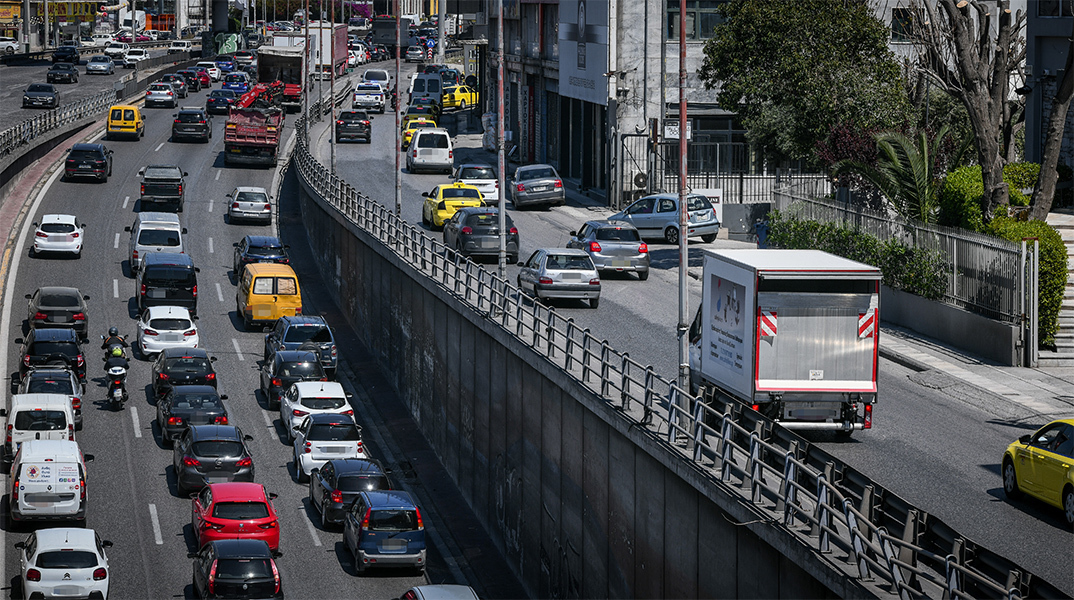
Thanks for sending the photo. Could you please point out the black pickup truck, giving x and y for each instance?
(162, 187)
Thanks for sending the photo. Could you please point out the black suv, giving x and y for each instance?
(66, 54)
(88, 160)
(258, 248)
(335, 485)
(192, 123)
(239, 568)
(217, 451)
(353, 125)
(285, 368)
(182, 366)
(303, 333)
(62, 73)
(57, 347)
(219, 101)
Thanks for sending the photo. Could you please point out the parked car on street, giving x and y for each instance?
(536, 184)
(657, 216)
(1041, 465)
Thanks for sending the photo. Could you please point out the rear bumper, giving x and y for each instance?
(64, 247)
(263, 215)
(199, 135)
(585, 291)
(712, 228)
(555, 196)
(372, 560)
(619, 263)
(18, 515)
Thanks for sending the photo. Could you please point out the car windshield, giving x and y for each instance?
(301, 369)
(617, 234)
(187, 364)
(158, 237)
(569, 262)
(528, 174)
(332, 432)
(251, 197)
(40, 420)
(243, 569)
(393, 520)
(168, 276)
(58, 300)
(39, 87)
(698, 203)
(43, 348)
(169, 324)
(459, 193)
(323, 403)
(307, 333)
(100, 59)
(57, 227)
(217, 449)
(49, 385)
(67, 559)
(477, 173)
(362, 483)
(197, 402)
(240, 511)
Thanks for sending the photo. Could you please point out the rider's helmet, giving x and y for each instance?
(117, 351)
(113, 331)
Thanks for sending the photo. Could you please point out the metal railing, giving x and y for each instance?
(983, 271)
(883, 542)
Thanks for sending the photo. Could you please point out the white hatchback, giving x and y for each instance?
(59, 233)
(312, 397)
(162, 327)
(210, 66)
(64, 562)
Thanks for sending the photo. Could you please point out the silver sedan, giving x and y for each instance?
(536, 184)
(251, 203)
(101, 65)
(560, 273)
(613, 247)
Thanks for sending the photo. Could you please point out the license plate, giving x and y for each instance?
(489, 243)
(620, 263)
(571, 276)
(539, 188)
(59, 318)
(216, 479)
(333, 450)
(393, 545)
(157, 294)
(237, 150)
(66, 590)
(170, 337)
(83, 166)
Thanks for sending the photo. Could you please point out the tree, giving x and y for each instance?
(906, 172)
(971, 48)
(1044, 193)
(794, 70)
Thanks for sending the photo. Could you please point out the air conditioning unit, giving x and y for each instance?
(640, 179)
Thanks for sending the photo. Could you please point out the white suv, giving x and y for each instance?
(64, 561)
(9, 45)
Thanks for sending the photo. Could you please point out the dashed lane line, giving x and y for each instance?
(115, 288)
(115, 244)
(238, 352)
(219, 293)
(309, 525)
(137, 423)
(218, 175)
(159, 147)
(125, 201)
(210, 245)
(156, 525)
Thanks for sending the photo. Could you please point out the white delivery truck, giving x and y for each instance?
(794, 334)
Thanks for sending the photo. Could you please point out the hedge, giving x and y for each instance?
(918, 271)
(1053, 269)
(963, 189)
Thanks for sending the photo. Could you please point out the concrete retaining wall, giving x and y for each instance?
(581, 504)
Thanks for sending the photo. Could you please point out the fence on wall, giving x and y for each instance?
(878, 538)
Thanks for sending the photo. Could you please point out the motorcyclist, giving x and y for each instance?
(116, 360)
(114, 338)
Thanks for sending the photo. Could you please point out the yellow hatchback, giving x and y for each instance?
(445, 200)
(1041, 465)
(414, 125)
(460, 97)
(124, 119)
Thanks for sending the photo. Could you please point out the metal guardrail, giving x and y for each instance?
(984, 273)
(84, 50)
(886, 543)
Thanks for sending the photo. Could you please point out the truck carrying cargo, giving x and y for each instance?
(253, 127)
(284, 64)
(794, 334)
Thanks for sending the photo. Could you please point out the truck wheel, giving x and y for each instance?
(671, 235)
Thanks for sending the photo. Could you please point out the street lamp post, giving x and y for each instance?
(398, 102)
(684, 259)
(500, 140)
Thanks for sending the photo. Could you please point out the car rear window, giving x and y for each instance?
(78, 155)
(529, 174)
(447, 193)
(161, 87)
(569, 262)
(251, 197)
(477, 173)
(617, 234)
(168, 276)
(216, 449)
(362, 483)
(191, 117)
(158, 237)
(368, 89)
(169, 324)
(46, 348)
(698, 203)
(433, 140)
(300, 369)
(393, 520)
(187, 364)
(264, 250)
(197, 402)
(57, 227)
(286, 286)
(234, 78)
(243, 568)
(487, 220)
(323, 403)
(330, 432)
(48, 385)
(353, 116)
(40, 420)
(240, 510)
(67, 559)
(222, 94)
(58, 300)
(307, 333)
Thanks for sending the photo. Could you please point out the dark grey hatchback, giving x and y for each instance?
(475, 231)
(207, 454)
(187, 405)
(192, 123)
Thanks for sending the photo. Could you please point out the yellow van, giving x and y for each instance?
(267, 291)
(124, 119)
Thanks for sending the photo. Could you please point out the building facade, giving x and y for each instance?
(1048, 33)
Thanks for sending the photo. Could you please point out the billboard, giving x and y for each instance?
(583, 50)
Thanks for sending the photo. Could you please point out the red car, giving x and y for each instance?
(203, 76)
(235, 510)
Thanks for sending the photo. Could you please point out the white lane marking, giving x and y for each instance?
(159, 147)
(137, 423)
(115, 288)
(235, 343)
(210, 245)
(218, 175)
(125, 201)
(309, 525)
(210, 205)
(156, 525)
(268, 419)
(115, 244)
(219, 293)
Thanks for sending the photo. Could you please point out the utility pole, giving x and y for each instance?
(332, 88)
(500, 138)
(398, 103)
(440, 40)
(320, 68)
(307, 86)
(684, 259)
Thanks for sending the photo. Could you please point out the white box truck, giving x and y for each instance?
(794, 334)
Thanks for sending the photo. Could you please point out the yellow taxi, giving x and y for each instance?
(459, 96)
(1041, 465)
(124, 119)
(412, 126)
(445, 200)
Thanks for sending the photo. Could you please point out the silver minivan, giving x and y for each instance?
(48, 481)
(154, 232)
(430, 150)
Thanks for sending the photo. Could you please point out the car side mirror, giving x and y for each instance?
(141, 171)
(20, 545)
(425, 194)
(28, 296)
(3, 412)
(18, 340)
(191, 554)
(185, 173)
(277, 554)
(184, 231)
(175, 115)
(85, 297)
(223, 396)
(1024, 439)
(286, 247)
(87, 458)
(35, 223)
(109, 151)
(574, 233)
(234, 244)
(127, 229)
(248, 437)
(197, 269)
(273, 496)
(349, 395)
(106, 543)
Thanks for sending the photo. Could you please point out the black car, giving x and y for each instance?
(193, 80)
(55, 347)
(62, 73)
(178, 82)
(55, 380)
(287, 367)
(207, 454)
(249, 70)
(219, 101)
(182, 366)
(66, 54)
(192, 123)
(259, 248)
(88, 160)
(334, 486)
(353, 125)
(41, 94)
(187, 405)
(56, 307)
(302, 332)
(238, 568)
(475, 231)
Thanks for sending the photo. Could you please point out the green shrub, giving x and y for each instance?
(920, 272)
(1021, 176)
(1053, 268)
(960, 199)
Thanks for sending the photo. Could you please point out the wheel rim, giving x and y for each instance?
(672, 235)
(1009, 478)
(1068, 504)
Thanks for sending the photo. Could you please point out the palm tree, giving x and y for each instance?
(905, 173)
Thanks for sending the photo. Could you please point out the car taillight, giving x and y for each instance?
(148, 331)
(466, 230)
(194, 291)
(212, 578)
(82, 487)
(337, 496)
(211, 377)
(867, 422)
(76, 403)
(143, 189)
(175, 420)
(270, 525)
(180, 188)
(513, 231)
(41, 234)
(594, 247)
(99, 574)
(26, 360)
(14, 486)
(275, 576)
(192, 332)
(276, 381)
(360, 446)
(70, 431)
(79, 316)
(365, 519)
(558, 183)
(211, 525)
(202, 122)
(190, 461)
(80, 361)
(450, 154)
(417, 512)
(8, 440)
(147, 92)
(162, 376)
(643, 248)
(333, 350)
(366, 123)
(134, 254)
(234, 205)
(143, 289)
(415, 154)
(40, 316)
(520, 187)
(298, 413)
(545, 280)
(74, 235)
(33, 575)
(176, 121)
(594, 281)
(221, 420)
(268, 206)
(246, 462)
(339, 122)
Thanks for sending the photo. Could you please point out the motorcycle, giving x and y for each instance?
(114, 345)
(117, 389)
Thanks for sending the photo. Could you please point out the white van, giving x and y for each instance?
(48, 481)
(154, 232)
(430, 150)
(38, 417)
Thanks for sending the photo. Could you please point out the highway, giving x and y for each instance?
(936, 442)
(132, 494)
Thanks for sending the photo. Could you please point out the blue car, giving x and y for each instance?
(236, 82)
(225, 63)
(384, 529)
